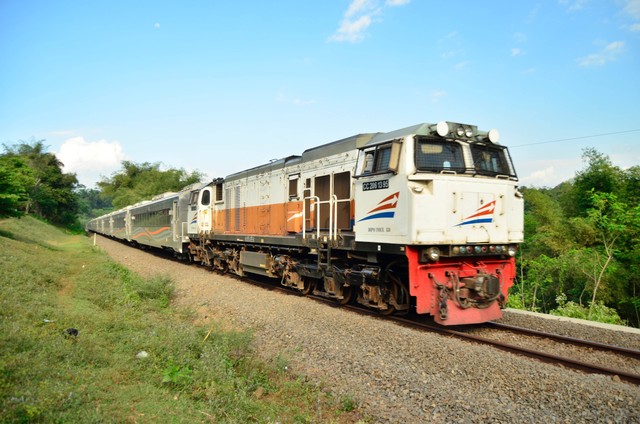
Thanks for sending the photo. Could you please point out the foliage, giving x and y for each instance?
(582, 241)
(137, 182)
(15, 179)
(91, 203)
(190, 373)
(44, 189)
(597, 311)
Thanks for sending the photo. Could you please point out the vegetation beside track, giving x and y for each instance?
(135, 358)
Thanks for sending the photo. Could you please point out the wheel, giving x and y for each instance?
(308, 285)
(347, 293)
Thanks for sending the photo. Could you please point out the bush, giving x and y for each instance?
(595, 312)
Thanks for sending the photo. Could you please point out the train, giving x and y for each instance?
(425, 219)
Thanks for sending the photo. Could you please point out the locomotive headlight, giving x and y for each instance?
(442, 128)
(432, 254)
(460, 131)
(468, 132)
(493, 135)
(511, 251)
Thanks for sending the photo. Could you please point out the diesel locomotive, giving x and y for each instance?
(425, 218)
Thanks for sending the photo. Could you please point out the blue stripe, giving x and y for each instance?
(476, 221)
(379, 215)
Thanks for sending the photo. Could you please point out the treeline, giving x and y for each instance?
(32, 182)
(581, 255)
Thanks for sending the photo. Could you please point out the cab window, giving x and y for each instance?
(489, 160)
(206, 198)
(382, 159)
(439, 156)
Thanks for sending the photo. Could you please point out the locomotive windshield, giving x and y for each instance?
(437, 156)
(491, 160)
(433, 155)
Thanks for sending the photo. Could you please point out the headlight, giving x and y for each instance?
(512, 250)
(460, 131)
(432, 254)
(468, 132)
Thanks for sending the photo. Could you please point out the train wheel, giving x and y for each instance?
(308, 286)
(347, 293)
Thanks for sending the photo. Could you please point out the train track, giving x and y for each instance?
(538, 354)
(519, 350)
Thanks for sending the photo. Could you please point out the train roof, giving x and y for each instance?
(329, 149)
(340, 146)
(418, 129)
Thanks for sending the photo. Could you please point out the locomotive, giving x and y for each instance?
(425, 218)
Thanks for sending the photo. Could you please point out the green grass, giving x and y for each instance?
(51, 281)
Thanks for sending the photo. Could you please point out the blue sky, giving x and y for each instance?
(221, 86)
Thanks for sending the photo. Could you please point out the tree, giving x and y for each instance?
(49, 190)
(600, 176)
(91, 203)
(15, 179)
(582, 243)
(136, 182)
(612, 220)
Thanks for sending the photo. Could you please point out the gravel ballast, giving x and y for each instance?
(394, 373)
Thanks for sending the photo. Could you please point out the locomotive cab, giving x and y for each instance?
(446, 195)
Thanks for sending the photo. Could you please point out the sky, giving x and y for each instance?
(222, 86)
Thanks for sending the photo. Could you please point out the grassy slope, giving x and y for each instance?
(52, 281)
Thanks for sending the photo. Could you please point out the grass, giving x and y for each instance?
(135, 358)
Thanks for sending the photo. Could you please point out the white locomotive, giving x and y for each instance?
(425, 217)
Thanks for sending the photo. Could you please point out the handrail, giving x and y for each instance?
(304, 215)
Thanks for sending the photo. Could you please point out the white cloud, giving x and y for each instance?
(460, 66)
(352, 31)
(90, 160)
(437, 95)
(541, 178)
(516, 52)
(393, 3)
(358, 17)
(519, 37)
(609, 53)
(574, 5)
(632, 8)
(357, 6)
(547, 172)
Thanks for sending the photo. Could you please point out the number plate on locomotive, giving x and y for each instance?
(375, 185)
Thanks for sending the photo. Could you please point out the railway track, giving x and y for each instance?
(565, 361)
